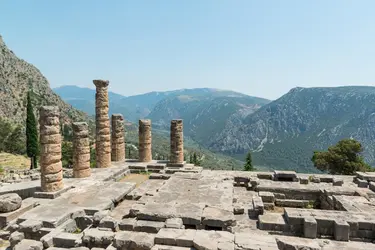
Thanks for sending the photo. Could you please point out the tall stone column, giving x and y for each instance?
(177, 142)
(118, 141)
(50, 149)
(144, 135)
(81, 150)
(103, 130)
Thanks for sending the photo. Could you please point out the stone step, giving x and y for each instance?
(138, 167)
(156, 166)
(292, 203)
(272, 222)
(26, 205)
(159, 176)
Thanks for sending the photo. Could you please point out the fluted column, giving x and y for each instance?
(103, 133)
(145, 154)
(177, 142)
(118, 141)
(81, 150)
(50, 149)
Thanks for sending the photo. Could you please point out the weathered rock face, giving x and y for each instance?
(50, 149)
(118, 141)
(103, 130)
(81, 150)
(145, 154)
(177, 142)
(9, 202)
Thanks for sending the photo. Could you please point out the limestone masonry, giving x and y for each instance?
(177, 142)
(50, 149)
(118, 141)
(103, 130)
(81, 150)
(145, 154)
(175, 206)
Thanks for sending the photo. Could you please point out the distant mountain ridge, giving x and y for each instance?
(285, 132)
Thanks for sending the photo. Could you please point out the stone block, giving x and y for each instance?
(362, 183)
(272, 222)
(269, 206)
(258, 204)
(94, 237)
(288, 243)
(108, 222)
(29, 245)
(16, 238)
(265, 176)
(127, 224)
(176, 223)
(175, 237)
(134, 240)
(341, 230)
(285, 176)
(267, 196)
(10, 202)
(148, 226)
(67, 240)
(237, 209)
(304, 180)
(217, 218)
(292, 203)
(30, 226)
(98, 216)
(310, 227)
(338, 182)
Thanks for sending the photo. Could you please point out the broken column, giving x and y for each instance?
(50, 149)
(81, 150)
(103, 131)
(145, 141)
(118, 141)
(177, 142)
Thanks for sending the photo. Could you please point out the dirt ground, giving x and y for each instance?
(137, 178)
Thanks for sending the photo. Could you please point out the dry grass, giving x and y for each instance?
(137, 178)
(17, 162)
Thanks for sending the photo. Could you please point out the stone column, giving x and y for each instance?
(81, 150)
(145, 141)
(118, 141)
(177, 142)
(103, 130)
(50, 149)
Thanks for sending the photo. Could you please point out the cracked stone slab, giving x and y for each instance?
(134, 240)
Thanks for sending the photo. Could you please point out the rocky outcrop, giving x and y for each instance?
(17, 77)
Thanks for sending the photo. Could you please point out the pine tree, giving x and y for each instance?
(248, 164)
(195, 158)
(32, 146)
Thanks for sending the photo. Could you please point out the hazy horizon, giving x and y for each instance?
(261, 49)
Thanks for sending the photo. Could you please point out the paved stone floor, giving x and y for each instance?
(191, 208)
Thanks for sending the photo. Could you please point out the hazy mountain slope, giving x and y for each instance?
(16, 78)
(206, 114)
(284, 133)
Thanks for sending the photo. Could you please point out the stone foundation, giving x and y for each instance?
(81, 150)
(50, 149)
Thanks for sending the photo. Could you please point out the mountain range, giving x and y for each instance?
(281, 134)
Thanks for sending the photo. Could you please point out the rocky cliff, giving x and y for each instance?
(17, 77)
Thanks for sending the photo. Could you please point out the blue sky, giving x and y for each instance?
(262, 48)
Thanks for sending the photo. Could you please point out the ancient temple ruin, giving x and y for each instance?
(50, 150)
(81, 150)
(103, 129)
(176, 205)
